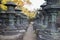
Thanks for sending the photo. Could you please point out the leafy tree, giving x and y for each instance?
(2, 6)
(20, 4)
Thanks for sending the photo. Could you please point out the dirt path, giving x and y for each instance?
(30, 35)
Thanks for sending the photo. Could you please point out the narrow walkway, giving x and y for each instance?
(30, 35)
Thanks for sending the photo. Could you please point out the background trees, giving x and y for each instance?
(20, 4)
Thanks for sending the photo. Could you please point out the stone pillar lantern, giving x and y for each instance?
(52, 7)
(24, 21)
(11, 14)
(18, 17)
(10, 29)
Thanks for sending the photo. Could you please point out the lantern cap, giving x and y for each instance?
(10, 3)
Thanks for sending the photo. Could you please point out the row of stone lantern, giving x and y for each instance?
(48, 17)
(10, 19)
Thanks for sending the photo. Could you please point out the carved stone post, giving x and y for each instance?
(51, 8)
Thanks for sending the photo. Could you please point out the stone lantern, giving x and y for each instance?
(21, 19)
(52, 8)
(11, 19)
(11, 14)
(18, 17)
(24, 21)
